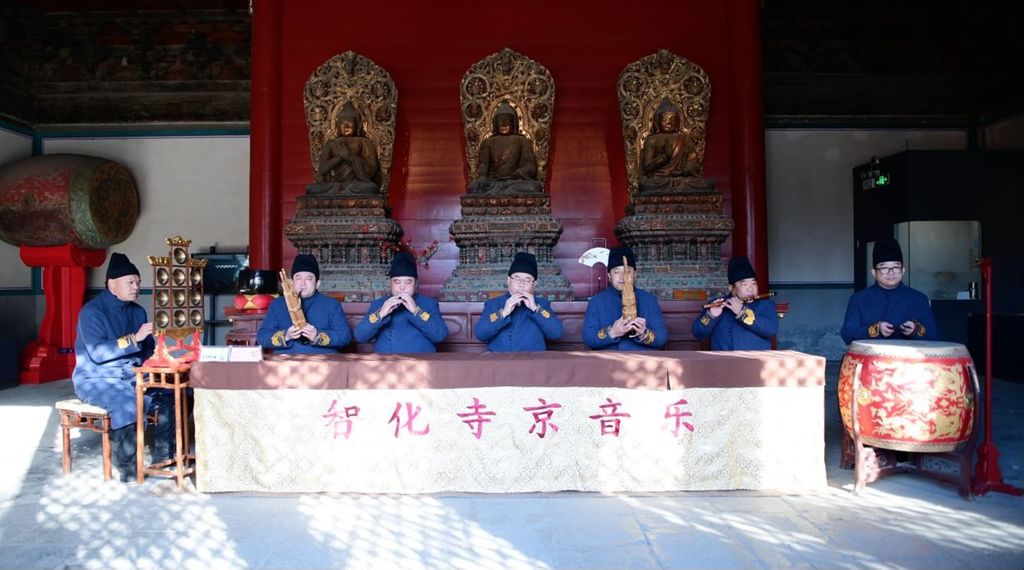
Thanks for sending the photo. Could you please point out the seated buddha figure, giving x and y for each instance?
(668, 160)
(348, 163)
(507, 163)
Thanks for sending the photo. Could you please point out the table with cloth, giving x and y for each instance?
(512, 422)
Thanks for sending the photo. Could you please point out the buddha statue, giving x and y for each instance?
(668, 160)
(507, 163)
(348, 163)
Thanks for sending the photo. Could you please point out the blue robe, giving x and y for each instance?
(606, 307)
(522, 331)
(896, 306)
(106, 353)
(753, 330)
(402, 331)
(321, 311)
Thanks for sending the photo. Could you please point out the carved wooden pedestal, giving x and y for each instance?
(351, 238)
(492, 229)
(678, 240)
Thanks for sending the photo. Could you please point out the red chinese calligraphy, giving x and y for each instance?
(476, 417)
(411, 417)
(675, 410)
(542, 417)
(610, 419)
(341, 419)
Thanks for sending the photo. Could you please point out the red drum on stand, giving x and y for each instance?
(58, 199)
(916, 396)
(63, 211)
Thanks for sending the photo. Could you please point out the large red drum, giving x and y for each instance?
(910, 395)
(67, 198)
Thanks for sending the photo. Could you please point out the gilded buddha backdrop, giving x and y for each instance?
(426, 47)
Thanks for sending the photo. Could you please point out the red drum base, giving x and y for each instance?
(913, 403)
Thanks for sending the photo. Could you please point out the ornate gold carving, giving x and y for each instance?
(529, 89)
(352, 78)
(643, 85)
(179, 241)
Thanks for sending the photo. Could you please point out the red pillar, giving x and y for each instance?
(746, 107)
(265, 137)
(52, 355)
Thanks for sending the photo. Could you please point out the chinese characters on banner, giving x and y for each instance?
(407, 421)
(340, 421)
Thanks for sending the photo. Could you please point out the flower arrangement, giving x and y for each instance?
(422, 255)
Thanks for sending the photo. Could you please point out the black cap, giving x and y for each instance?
(617, 254)
(740, 269)
(306, 262)
(886, 249)
(403, 265)
(119, 266)
(524, 262)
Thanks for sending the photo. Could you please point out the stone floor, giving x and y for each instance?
(904, 521)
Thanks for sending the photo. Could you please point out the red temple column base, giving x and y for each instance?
(52, 355)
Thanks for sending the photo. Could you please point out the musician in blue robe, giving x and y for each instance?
(739, 322)
(405, 321)
(603, 326)
(518, 321)
(114, 337)
(889, 309)
(326, 329)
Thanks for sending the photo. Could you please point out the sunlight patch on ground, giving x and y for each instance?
(406, 532)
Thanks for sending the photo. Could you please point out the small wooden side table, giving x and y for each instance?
(244, 325)
(184, 462)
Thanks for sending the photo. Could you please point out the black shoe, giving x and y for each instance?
(126, 475)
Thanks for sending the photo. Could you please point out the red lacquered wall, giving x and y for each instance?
(427, 47)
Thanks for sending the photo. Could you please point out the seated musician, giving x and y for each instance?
(405, 321)
(113, 338)
(604, 327)
(889, 309)
(517, 321)
(749, 323)
(326, 330)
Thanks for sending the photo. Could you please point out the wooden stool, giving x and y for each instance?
(75, 413)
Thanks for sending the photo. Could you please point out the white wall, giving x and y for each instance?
(13, 273)
(809, 178)
(193, 186)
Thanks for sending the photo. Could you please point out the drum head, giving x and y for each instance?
(909, 348)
